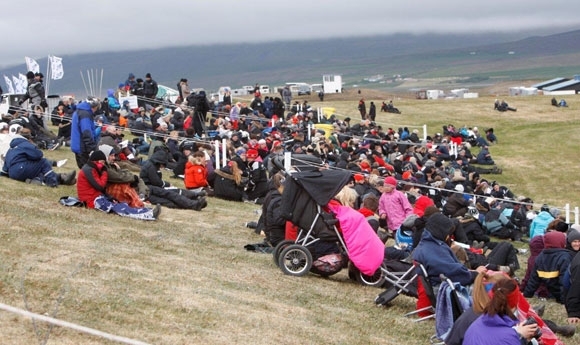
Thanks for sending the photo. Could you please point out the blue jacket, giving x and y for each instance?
(437, 257)
(540, 224)
(82, 140)
(21, 151)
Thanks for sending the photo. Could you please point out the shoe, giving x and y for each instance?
(61, 162)
(68, 179)
(54, 146)
(540, 309)
(156, 211)
(565, 331)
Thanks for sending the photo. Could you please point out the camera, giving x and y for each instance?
(530, 321)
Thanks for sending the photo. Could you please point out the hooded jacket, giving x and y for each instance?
(550, 268)
(540, 224)
(82, 140)
(150, 172)
(437, 257)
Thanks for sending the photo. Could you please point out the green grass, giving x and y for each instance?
(186, 279)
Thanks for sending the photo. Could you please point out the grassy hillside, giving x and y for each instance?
(186, 279)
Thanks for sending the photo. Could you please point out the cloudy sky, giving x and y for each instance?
(37, 28)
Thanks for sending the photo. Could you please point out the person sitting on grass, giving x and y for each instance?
(25, 162)
(162, 192)
(91, 189)
(550, 267)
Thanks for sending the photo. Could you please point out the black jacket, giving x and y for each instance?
(550, 267)
(274, 223)
(573, 296)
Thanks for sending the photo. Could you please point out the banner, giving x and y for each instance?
(32, 65)
(9, 83)
(23, 85)
(56, 68)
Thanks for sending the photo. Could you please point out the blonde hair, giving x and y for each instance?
(480, 296)
(347, 196)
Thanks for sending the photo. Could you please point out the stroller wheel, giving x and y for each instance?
(376, 280)
(295, 260)
(278, 249)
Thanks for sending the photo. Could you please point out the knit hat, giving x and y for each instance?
(554, 239)
(240, 151)
(459, 188)
(439, 226)
(391, 181)
(573, 235)
(148, 75)
(359, 177)
(555, 212)
(97, 156)
(407, 175)
(106, 149)
(252, 154)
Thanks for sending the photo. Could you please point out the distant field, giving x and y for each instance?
(186, 279)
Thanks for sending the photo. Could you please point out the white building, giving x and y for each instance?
(332, 83)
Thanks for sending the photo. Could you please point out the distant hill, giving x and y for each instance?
(479, 58)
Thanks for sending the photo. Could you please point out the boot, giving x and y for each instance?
(68, 178)
(565, 331)
(156, 211)
(539, 309)
(199, 204)
(192, 194)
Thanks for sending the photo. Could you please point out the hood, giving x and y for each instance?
(536, 245)
(84, 106)
(159, 157)
(18, 139)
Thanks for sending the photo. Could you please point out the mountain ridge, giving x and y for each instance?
(273, 63)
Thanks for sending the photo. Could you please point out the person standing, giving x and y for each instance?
(394, 207)
(83, 131)
(35, 92)
(362, 108)
(372, 112)
(150, 89)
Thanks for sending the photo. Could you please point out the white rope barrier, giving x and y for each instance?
(76, 327)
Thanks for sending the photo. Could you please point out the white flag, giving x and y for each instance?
(9, 83)
(16, 82)
(32, 65)
(23, 83)
(56, 68)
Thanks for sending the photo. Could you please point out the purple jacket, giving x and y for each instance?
(492, 330)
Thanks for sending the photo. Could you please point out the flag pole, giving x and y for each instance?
(47, 75)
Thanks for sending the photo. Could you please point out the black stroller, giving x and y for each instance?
(305, 194)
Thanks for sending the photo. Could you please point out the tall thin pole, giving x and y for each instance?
(84, 84)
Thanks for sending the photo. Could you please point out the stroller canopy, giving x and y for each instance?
(323, 185)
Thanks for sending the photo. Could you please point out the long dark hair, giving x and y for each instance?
(502, 292)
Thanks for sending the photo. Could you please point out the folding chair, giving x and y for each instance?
(424, 280)
(398, 282)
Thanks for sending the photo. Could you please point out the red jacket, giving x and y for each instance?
(85, 191)
(195, 176)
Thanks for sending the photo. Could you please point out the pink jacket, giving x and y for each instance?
(397, 208)
(365, 249)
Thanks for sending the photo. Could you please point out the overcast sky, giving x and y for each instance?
(37, 28)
